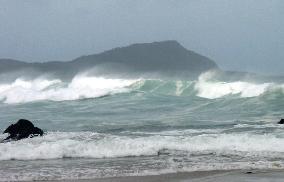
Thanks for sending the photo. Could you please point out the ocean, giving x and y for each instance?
(99, 127)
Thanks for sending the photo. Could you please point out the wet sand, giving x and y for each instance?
(203, 176)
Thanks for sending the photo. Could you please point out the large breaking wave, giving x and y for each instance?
(164, 126)
(82, 86)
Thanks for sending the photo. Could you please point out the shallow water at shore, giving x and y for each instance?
(200, 176)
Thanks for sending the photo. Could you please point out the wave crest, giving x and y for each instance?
(22, 91)
(81, 86)
(207, 88)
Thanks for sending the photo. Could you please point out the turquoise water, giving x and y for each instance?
(100, 127)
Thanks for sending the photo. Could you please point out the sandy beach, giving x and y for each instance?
(203, 176)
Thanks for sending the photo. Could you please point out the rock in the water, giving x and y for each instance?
(281, 121)
(22, 129)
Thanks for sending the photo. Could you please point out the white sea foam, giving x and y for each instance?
(82, 86)
(210, 89)
(21, 91)
(93, 145)
(179, 132)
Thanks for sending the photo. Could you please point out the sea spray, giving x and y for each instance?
(82, 86)
(21, 91)
(209, 88)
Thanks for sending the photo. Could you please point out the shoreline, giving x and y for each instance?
(197, 176)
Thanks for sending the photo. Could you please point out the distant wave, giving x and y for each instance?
(82, 86)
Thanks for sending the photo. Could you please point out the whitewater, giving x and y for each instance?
(82, 87)
(101, 126)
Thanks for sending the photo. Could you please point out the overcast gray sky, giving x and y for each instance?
(245, 35)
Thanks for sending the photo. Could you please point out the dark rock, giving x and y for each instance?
(281, 121)
(22, 129)
(37, 131)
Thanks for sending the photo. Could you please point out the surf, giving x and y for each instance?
(84, 86)
(80, 87)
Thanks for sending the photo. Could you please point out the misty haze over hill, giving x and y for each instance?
(165, 58)
(238, 35)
